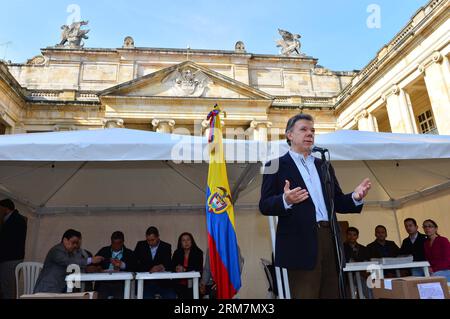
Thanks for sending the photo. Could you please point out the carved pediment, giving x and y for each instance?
(189, 80)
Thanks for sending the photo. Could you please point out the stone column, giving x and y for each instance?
(366, 122)
(259, 130)
(399, 111)
(163, 125)
(437, 81)
(113, 123)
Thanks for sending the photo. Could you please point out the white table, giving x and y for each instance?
(378, 270)
(141, 276)
(104, 276)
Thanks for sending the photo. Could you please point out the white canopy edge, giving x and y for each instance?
(137, 145)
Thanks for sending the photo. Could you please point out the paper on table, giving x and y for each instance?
(431, 290)
(388, 284)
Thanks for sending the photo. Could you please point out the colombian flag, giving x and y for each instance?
(222, 241)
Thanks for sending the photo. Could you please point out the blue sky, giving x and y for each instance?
(334, 31)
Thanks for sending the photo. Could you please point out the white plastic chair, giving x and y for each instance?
(30, 271)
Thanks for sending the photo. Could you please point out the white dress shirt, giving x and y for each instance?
(311, 177)
(153, 250)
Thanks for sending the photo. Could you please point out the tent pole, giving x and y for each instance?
(4, 190)
(36, 227)
(186, 178)
(244, 180)
(272, 221)
(394, 210)
(63, 184)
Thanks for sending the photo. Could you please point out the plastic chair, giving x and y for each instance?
(30, 271)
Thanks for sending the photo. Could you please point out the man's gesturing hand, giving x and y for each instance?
(362, 189)
(294, 196)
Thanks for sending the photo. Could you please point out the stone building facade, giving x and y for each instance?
(405, 88)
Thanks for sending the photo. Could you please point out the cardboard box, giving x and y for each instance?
(412, 288)
(79, 295)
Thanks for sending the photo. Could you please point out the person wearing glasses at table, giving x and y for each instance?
(437, 250)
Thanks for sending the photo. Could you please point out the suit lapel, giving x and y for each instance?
(294, 173)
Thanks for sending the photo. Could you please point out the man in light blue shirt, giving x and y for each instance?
(295, 192)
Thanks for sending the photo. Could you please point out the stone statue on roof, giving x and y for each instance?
(290, 45)
(72, 36)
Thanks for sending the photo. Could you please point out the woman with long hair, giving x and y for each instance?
(187, 257)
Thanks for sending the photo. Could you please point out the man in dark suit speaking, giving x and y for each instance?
(295, 193)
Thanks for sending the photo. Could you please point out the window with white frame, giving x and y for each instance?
(426, 123)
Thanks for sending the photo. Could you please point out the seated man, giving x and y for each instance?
(354, 252)
(154, 255)
(62, 255)
(413, 245)
(381, 247)
(116, 258)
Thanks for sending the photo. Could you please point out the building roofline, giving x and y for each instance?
(6, 76)
(389, 50)
(177, 50)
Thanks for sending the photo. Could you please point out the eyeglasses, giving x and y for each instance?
(428, 226)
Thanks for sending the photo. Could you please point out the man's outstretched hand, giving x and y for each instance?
(362, 189)
(294, 196)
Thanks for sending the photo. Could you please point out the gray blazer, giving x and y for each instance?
(52, 276)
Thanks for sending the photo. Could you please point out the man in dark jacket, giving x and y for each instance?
(413, 244)
(354, 252)
(13, 232)
(295, 193)
(116, 258)
(381, 247)
(155, 255)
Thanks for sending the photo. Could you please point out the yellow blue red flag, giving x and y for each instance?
(222, 240)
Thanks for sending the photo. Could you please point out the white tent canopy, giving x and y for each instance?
(137, 170)
(65, 178)
(136, 145)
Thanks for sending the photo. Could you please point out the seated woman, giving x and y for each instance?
(187, 257)
(437, 250)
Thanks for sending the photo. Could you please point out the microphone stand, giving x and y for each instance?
(335, 229)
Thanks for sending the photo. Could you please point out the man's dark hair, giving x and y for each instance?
(152, 230)
(7, 203)
(353, 229)
(70, 233)
(381, 226)
(117, 235)
(409, 219)
(290, 124)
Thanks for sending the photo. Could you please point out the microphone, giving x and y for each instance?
(319, 149)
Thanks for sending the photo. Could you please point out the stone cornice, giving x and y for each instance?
(9, 79)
